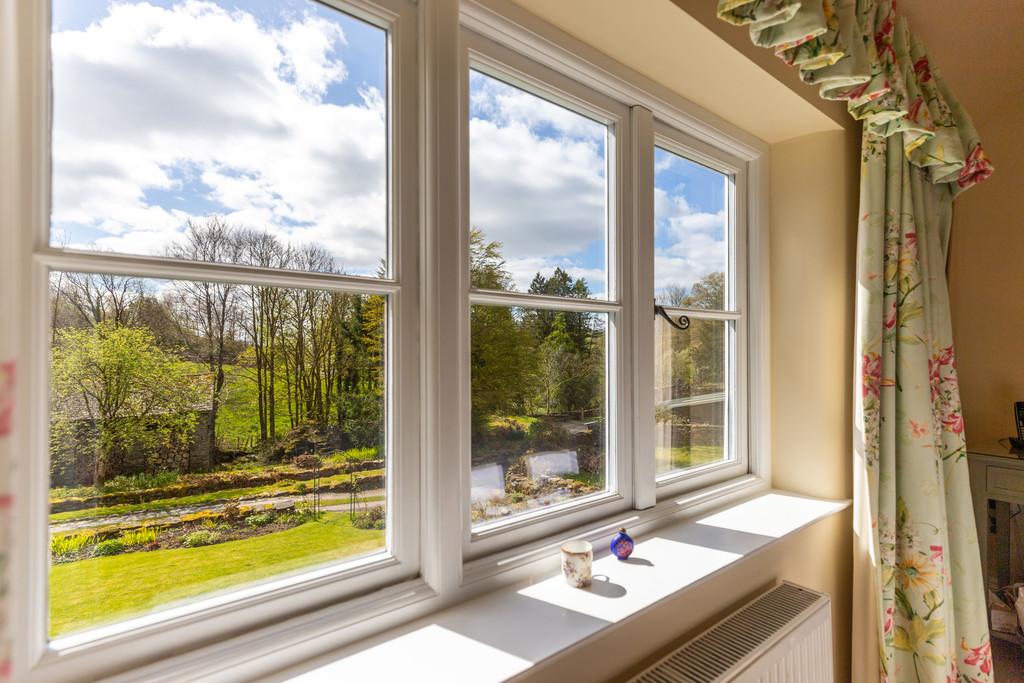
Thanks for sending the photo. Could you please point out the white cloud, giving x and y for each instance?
(693, 242)
(537, 182)
(148, 96)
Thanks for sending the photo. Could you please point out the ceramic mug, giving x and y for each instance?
(577, 563)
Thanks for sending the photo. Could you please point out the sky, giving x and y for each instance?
(271, 114)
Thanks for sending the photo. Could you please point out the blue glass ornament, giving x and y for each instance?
(622, 545)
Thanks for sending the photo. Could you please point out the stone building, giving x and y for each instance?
(73, 456)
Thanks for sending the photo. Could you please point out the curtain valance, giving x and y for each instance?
(861, 52)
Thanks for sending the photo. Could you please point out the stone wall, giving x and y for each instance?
(73, 459)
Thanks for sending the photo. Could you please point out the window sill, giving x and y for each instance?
(506, 632)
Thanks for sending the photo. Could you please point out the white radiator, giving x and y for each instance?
(782, 636)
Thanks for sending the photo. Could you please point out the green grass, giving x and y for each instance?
(520, 422)
(238, 418)
(199, 498)
(104, 589)
(681, 457)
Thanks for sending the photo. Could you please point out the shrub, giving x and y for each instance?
(136, 537)
(370, 519)
(231, 512)
(62, 546)
(113, 546)
(200, 538)
(137, 482)
(259, 519)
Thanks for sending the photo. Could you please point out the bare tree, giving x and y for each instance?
(103, 298)
(206, 311)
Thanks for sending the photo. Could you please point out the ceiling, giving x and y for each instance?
(676, 50)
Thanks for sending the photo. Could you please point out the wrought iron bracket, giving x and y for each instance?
(680, 321)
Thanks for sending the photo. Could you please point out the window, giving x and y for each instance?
(695, 375)
(543, 239)
(225, 411)
(298, 371)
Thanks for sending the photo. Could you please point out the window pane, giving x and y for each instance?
(691, 370)
(205, 437)
(265, 116)
(539, 420)
(690, 238)
(538, 190)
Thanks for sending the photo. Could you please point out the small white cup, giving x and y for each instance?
(577, 563)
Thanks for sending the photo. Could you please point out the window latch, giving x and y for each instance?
(678, 321)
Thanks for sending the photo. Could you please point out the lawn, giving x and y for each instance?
(105, 589)
(681, 457)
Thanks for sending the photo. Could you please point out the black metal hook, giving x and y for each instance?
(680, 323)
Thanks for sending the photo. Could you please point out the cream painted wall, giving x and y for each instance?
(978, 47)
(986, 273)
(814, 186)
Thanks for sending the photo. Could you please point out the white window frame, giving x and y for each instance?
(103, 647)
(257, 636)
(734, 311)
(486, 56)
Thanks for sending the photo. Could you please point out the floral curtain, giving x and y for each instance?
(926, 568)
(919, 603)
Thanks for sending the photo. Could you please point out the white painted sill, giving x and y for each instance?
(504, 633)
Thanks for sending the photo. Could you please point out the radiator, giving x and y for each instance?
(782, 636)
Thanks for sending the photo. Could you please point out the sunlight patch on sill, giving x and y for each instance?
(394, 660)
(773, 515)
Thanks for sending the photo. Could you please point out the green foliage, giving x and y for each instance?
(136, 395)
(137, 537)
(69, 544)
(259, 519)
(112, 546)
(374, 518)
(200, 538)
(357, 455)
(139, 482)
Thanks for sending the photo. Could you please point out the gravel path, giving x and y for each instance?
(174, 514)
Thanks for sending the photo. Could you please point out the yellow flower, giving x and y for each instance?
(918, 636)
(916, 572)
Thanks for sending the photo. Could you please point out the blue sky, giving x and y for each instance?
(271, 114)
(689, 216)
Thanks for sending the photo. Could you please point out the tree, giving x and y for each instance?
(98, 298)
(579, 325)
(698, 354)
(205, 311)
(132, 395)
(500, 362)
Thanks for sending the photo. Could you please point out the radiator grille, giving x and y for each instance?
(710, 656)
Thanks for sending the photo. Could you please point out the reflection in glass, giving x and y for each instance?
(539, 189)
(538, 400)
(691, 394)
(267, 117)
(690, 238)
(206, 436)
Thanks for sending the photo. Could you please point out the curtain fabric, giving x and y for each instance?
(914, 494)
(919, 602)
